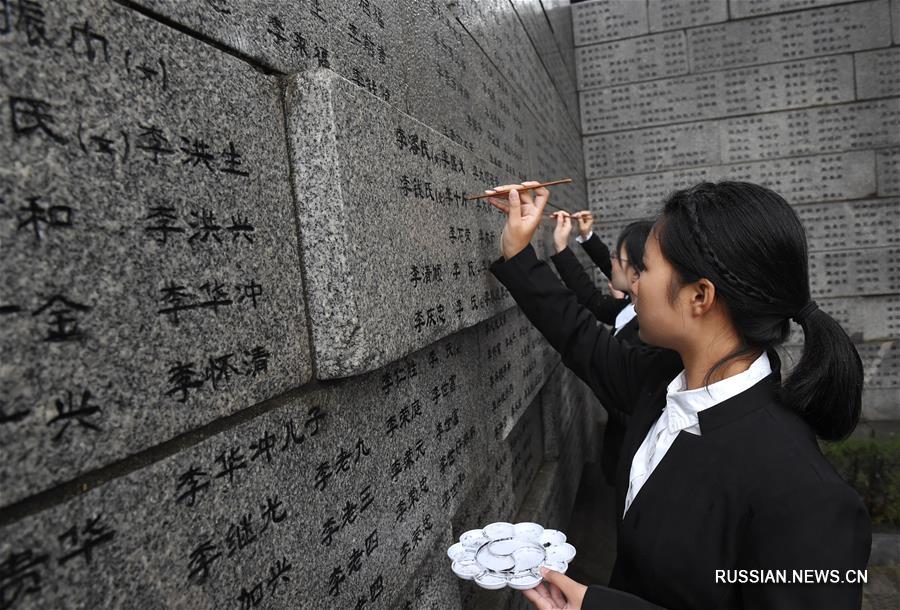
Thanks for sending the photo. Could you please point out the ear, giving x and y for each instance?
(632, 274)
(702, 294)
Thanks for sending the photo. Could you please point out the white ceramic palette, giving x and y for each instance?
(506, 555)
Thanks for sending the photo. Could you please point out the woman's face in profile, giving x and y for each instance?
(622, 271)
(659, 319)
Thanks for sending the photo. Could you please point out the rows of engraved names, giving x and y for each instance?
(460, 238)
(813, 82)
(607, 20)
(349, 512)
(856, 27)
(888, 169)
(441, 284)
(604, 20)
(74, 248)
(361, 41)
(782, 134)
(858, 272)
(632, 59)
(833, 177)
(755, 8)
(675, 14)
(877, 73)
(516, 359)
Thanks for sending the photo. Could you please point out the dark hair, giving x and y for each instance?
(634, 236)
(749, 242)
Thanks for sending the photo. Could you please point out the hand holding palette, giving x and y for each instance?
(503, 554)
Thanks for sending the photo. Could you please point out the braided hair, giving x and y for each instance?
(749, 242)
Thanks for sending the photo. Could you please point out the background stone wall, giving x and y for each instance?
(251, 352)
(800, 95)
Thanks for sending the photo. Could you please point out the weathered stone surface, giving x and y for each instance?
(544, 503)
(393, 259)
(364, 42)
(460, 93)
(811, 82)
(516, 363)
(856, 272)
(558, 410)
(676, 14)
(149, 256)
(569, 407)
(497, 29)
(601, 20)
(802, 179)
(375, 465)
(526, 449)
(554, 489)
(382, 46)
(888, 172)
(632, 59)
(877, 73)
(434, 585)
(647, 150)
(825, 31)
(895, 19)
(537, 26)
(755, 8)
(490, 498)
(564, 161)
(851, 224)
(856, 126)
(559, 14)
(813, 131)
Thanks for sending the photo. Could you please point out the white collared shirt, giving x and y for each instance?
(581, 239)
(625, 316)
(681, 413)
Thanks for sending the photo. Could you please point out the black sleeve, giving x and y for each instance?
(607, 308)
(606, 598)
(615, 372)
(604, 307)
(819, 527)
(599, 253)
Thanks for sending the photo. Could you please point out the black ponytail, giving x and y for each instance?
(750, 244)
(829, 374)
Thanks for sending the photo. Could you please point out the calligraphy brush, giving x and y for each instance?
(525, 188)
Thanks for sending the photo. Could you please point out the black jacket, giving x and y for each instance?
(753, 491)
(605, 307)
(599, 253)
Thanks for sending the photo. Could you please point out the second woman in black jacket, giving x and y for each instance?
(622, 267)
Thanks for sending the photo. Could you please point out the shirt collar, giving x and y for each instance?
(625, 316)
(683, 406)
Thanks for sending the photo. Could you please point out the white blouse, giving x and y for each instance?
(680, 413)
(624, 317)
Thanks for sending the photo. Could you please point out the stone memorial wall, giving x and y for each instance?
(252, 353)
(800, 95)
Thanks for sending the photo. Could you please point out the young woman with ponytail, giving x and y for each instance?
(723, 496)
